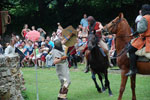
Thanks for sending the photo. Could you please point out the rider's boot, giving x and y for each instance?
(104, 54)
(132, 60)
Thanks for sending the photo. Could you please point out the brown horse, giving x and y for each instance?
(121, 28)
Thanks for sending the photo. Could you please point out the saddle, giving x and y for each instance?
(142, 55)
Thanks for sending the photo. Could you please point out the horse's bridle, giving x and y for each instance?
(115, 25)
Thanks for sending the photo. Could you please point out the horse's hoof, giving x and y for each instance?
(110, 95)
(103, 89)
(99, 90)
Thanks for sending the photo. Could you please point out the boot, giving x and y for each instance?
(132, 60)
(61, 98)
(62, 94)
(102, 51)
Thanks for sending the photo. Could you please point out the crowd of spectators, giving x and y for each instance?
(45, 44)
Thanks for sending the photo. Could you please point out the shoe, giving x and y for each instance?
(131, 72)
(86, 70)
(62, 98)
(111, 65)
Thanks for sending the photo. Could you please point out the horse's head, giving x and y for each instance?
(92, 41)
(112, 27)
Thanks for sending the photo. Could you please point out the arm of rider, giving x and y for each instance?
(142, 26)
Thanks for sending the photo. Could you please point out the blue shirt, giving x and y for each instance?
(25, 47)
(51, 43)
(30, 50)
(84, 22)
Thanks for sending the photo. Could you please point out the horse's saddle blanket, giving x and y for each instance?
(143, 56)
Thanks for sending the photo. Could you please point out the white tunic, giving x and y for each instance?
(62, 69)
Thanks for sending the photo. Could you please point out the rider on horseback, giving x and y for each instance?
(97, 26)
(143, 39)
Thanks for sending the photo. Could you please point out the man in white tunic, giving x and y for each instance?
(60, 61)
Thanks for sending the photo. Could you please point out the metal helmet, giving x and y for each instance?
(58, 45)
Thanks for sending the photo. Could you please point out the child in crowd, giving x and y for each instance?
(44, 50)
(38, 55)
(49, 60)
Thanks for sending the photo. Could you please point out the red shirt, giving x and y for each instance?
(24, 32)
(72, 51)
(98, 34)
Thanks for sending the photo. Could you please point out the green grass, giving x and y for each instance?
(82, 86)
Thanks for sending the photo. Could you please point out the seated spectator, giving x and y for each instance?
(49, 60)
(48, 45)
(17, 41)
(54, 36)
(82, 46)
(10, 48)
(1, 49)
(30, 52)
(51, 43)
(38, 55)
(44, 50)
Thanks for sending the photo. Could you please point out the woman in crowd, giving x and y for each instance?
(10, 48)
(25, 30)
(42, 32)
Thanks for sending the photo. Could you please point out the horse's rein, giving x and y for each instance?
(124, 36)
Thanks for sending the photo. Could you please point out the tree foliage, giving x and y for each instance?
(46, 13)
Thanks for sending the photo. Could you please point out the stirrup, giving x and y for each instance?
(130, 73)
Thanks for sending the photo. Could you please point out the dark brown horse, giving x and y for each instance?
(121, 28)
(98, 63)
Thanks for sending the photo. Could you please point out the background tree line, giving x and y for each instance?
(46, 13)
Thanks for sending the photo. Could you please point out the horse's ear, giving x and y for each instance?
(121, 15)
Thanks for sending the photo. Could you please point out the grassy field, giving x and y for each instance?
(82, 86)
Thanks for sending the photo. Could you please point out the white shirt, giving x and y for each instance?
(138, 18)
(10, 50)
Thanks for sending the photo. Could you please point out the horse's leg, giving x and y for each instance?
(101, 80)
(123, 83)
(94, 79)
(87, 61)
(133, 81)
(107, 83)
